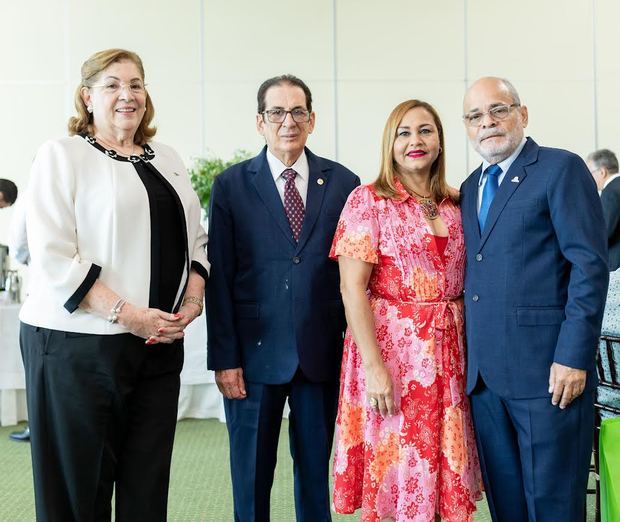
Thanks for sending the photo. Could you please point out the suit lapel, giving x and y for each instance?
(268, 192)
(470, 210)
(513, 178)
(317, 184)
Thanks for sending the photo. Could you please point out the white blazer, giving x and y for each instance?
(88, 216)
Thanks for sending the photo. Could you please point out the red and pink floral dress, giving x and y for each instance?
(422, 460)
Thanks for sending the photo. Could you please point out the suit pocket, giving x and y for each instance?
(539, 316)
(247, 310)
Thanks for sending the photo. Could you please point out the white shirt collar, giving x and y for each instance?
(505, 164)
(300, 166)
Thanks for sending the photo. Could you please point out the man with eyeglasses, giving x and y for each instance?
(275, 316)
(535, 287)
(603, 165)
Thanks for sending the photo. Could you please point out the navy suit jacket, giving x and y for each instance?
(610, 198)
(274, 305)
(536, 277)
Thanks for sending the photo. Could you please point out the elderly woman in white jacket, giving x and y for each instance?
(118, 268)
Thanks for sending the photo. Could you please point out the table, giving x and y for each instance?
(12, 382)
(199, 397)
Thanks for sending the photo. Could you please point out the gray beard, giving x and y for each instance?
(497, 156)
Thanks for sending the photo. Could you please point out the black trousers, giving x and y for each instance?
(102, 414)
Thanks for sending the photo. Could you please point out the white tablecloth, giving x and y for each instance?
(12, 384)
(199, 397)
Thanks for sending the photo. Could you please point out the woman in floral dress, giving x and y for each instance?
(405, 448)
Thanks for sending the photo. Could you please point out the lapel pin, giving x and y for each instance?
(515, 179)
(320, 181)
(176, 173)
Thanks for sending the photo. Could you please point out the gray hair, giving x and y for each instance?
(604, 158)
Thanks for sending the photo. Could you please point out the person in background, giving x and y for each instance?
(274, 311)
(610, 327)
(603, 165)
(8, 193)
(117, 271)
(18, 248)
(18, 237)
(535, 284)
(405, 447)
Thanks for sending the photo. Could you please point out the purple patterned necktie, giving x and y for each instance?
(293, 204)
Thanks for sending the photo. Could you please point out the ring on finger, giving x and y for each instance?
(374, 403)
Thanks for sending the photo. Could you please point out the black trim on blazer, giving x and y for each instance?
(200, 269)
(74, 301)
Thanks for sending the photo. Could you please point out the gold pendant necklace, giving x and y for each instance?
(427, 204)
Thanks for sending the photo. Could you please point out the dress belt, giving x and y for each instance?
(443, 305)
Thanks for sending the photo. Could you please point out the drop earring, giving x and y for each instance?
(90, 109)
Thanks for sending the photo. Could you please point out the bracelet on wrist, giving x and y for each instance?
(115, 310)
(193, 300)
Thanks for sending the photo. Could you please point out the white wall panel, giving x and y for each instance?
(32, 36)
(532, 39)
(400, 40)
(251, 41)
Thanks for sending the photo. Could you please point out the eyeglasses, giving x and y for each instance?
(114, 87)
(279, 115)
(498, 113)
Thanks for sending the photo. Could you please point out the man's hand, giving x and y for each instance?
(231, 383)
(566, 384)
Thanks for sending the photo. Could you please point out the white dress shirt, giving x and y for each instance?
(301, 180)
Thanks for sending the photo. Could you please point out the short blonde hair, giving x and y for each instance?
(384, 185)
(91, 69)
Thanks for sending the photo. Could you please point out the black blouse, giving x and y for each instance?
(168, 246)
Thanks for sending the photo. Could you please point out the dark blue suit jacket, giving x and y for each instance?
(274, 305)
(536, 278)
(610, 199)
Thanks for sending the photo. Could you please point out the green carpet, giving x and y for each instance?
(200, 489)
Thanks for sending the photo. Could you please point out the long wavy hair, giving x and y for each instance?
(384, 185)
(91, 69)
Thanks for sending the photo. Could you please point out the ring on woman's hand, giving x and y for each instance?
(373, 402)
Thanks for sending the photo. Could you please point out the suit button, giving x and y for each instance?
(475, 298)
(478, 257)
(297, 260)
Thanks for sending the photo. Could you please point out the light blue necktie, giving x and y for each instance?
(492, 172)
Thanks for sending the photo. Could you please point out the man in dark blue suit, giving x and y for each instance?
(535, 288)
(275, 316)
(603, 165)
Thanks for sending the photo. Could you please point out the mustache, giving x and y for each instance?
(489, 133)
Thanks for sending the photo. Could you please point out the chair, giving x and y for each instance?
(607, 402)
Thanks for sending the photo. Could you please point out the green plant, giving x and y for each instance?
(204, 170)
